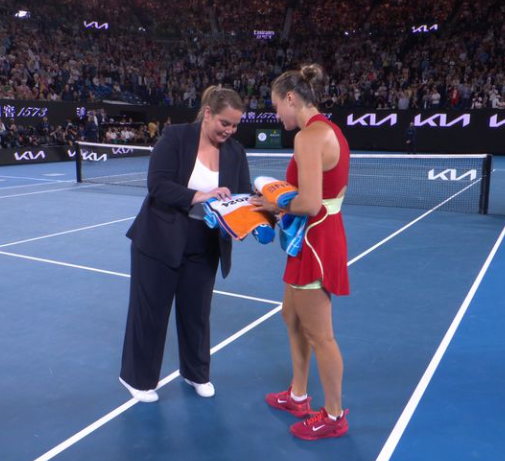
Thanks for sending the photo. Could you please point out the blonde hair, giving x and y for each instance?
(218, 98)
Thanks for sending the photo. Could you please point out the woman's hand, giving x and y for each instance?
(262, 204)
(221, 193)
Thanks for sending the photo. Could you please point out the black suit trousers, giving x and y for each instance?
(153, 287)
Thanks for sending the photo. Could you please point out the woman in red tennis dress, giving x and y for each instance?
(320, 170)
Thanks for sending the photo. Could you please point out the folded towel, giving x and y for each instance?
(291, 227)
(236, 217)
(275, 191)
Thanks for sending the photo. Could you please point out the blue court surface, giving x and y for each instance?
(421, 334)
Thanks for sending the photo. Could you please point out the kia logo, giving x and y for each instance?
(122, 150)
(94, 25)
(494, 123)
(93, 156)
(440, 120)
(371, 120)
(29, 155)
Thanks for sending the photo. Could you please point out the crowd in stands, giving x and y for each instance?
(97, 127)
(318, 17)
(399, 13)
(459, 66)
(13, 135)
(246, 15)
(166, 52)
(173, 18)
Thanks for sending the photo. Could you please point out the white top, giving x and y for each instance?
(203, 179)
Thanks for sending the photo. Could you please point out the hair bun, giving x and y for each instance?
(315, 76)
(308, 82)
(313, 73)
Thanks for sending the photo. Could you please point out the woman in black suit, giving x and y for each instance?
(174, 254)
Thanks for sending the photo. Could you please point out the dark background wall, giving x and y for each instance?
(472, 131)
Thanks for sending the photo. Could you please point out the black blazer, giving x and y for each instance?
(160, 229)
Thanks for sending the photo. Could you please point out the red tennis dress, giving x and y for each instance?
(323, 255)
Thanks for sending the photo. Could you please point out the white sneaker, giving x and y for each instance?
(142, 396)
(203, 390)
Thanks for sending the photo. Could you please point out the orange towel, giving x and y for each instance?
(275, 191)
(236, 216)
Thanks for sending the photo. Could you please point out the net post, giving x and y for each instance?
(485, 186)
(78, 163)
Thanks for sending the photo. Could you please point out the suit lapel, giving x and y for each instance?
(225, 165)
(191, 149)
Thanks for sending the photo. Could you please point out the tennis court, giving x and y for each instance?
(421, 334)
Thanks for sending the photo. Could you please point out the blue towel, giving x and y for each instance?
(211, 220)
(264, 234)
(284, 199)
(292, 233)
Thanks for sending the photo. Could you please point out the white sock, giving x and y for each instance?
(334, 418)
(297, 398)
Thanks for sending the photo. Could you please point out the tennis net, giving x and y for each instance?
(448, 182)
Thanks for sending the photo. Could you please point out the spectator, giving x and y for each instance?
(3, 132)
(253, 104)
(411, 139)
(371, 59)
(434, 101)
(58, 136)
(403, 101)
(67, 94)
(91, 130)
(152, 128)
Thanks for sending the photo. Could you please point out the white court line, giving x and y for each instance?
(65, 232)
(88, 430)
(35, 185)
(61, 263)
(54, 174)
(130, 403)
(399, 231)
(403, 421)
(252, 298)
(25, 177)
(76, 187)
(133, 217)
(107, 418)
(121, 274)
